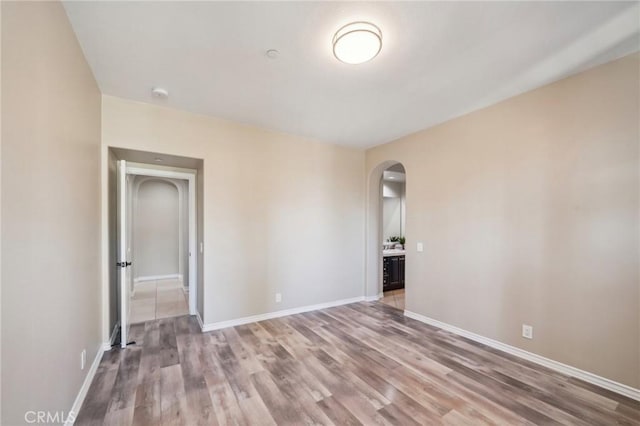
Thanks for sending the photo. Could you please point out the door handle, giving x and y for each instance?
(123, 264)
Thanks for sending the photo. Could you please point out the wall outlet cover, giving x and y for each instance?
(527, 331)
(278, 297)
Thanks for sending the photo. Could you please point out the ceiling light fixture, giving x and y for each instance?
(357, 42)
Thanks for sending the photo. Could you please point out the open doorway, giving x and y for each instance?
(159, 244)
(392, 199)
(153, 217)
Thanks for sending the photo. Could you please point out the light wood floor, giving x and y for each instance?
(393, 298)
(363, 363)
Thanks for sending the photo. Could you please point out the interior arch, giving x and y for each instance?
(373, 245)
(138, 183)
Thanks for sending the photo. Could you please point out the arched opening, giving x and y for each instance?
(156, 229)
(387, 178)
(393, 235)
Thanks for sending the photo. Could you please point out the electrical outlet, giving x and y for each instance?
(419, 247)
(527, 331)
(83, 359)
(278, 297)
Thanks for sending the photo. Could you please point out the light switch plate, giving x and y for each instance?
(420, 247)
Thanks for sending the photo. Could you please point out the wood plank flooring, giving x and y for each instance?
(363, 363)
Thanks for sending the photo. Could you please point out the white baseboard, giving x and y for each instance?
(199, 318)
(586, 376)
(373, 298)
(112, 339)
(158, 277)
(276, 314)
(77, 404)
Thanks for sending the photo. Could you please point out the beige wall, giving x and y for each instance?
(281, 213)
(50, 211)
(184, 224)
(528, 211)
(200, 239)
(110, 245)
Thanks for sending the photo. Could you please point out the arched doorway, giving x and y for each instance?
(380, 179)
(393, 236)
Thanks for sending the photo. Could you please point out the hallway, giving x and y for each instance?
(158, 299)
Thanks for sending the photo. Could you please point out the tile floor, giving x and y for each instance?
(394, 298)
(158, 299)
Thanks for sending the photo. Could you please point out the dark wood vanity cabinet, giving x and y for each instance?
(392, 273)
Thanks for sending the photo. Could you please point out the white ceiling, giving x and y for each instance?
(439, 59)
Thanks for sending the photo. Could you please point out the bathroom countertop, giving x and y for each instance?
(392, 252)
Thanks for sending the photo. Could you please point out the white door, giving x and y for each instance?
(123, 264)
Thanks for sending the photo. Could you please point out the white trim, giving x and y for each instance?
(77, 404)
(199, 318)
(158, 278)
(112, 340)
(588, 377)
(122, 229)
(276, 314)
(134, 169)
(373, 298)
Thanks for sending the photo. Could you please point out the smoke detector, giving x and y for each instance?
(272, 54)
(159, 93)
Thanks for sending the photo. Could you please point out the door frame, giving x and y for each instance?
(124, 273)
(190, 176)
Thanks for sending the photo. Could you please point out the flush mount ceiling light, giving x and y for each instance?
(357, 42)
